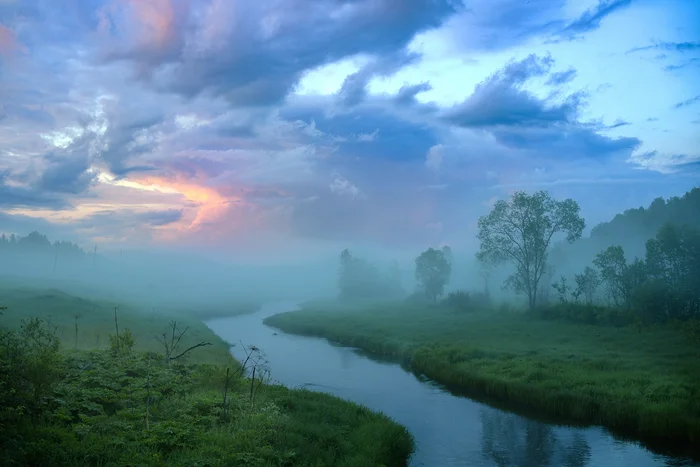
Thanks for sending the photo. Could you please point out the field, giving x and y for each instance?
(643, 383)
(87, 405)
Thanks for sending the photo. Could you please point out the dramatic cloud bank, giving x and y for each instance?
(266, 127)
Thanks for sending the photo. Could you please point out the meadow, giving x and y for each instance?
(641, 382)
(73, 394)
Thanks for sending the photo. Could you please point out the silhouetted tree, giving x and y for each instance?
(433, 271)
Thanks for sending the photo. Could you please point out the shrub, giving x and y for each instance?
(459, 301)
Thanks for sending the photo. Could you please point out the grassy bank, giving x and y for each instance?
(643, 383)
(83, 403)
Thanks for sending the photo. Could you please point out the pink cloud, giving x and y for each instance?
(8, 42)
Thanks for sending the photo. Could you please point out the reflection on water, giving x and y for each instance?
(449, 430)
(510, 440)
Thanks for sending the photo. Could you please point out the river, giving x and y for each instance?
(449, 430)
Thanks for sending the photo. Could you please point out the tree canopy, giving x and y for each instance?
(433, 269)
(519, 231)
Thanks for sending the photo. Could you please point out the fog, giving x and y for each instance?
(194, 277)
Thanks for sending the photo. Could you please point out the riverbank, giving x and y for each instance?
(101, 403)
(644, 384)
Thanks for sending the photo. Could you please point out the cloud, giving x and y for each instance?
(253, 54)
(407, 94)
(354, 88)
(590, 20)
(562, 77)
(501, 101)
(687, 46)
(665, 162)
(177, 121)
(161, 218)
(342, 187)
(687, 102)
(12, 196)
(618, 123)
(8, 42)
(496, 25)
(433, 160)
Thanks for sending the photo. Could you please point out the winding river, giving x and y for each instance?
(448, 430)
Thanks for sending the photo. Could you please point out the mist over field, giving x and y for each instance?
(492, 205)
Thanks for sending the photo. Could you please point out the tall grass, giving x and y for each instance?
(641, 383)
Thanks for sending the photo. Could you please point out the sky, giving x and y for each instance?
(295, 127)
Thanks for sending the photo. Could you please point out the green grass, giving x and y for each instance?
(641, 383)
(94, 413)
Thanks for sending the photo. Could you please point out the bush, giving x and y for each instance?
(459, 301)
(586, 314)
(30, 365)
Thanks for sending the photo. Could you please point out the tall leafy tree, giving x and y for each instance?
(519, 231)
(433, 271)
(673, 262)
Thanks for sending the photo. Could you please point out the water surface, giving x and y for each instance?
(448, 430)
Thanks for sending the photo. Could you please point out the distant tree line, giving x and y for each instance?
(36, 242)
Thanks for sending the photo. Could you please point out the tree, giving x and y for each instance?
(520, 231)
(622, 279)
(673, 262)
(586, 284)
(433, 271)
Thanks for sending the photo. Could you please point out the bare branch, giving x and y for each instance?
(201, 344)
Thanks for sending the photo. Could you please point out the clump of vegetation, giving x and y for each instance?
(126, 404)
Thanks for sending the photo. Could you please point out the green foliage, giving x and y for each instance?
(433, 269)
(643, 385)
(662, 286)
(587, 284)
(78, 408)
(29, 366)
(673, 263)
(520, 231)
(464, 301)
(103, 411)
(583, 313)
(459, 301)
(122, 344)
